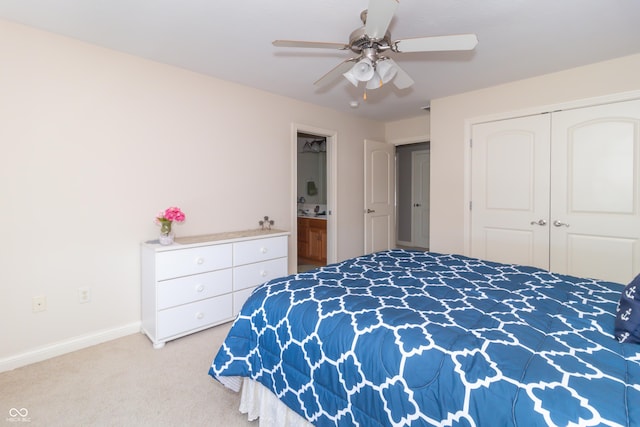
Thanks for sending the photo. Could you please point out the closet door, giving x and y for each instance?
(510, 191)
(595, 197)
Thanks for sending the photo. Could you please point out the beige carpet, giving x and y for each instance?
(124, 382)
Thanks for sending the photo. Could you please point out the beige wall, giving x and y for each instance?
(94, 143)
(448, 116)
(408, 131)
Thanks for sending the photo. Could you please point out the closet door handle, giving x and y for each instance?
(539, 222)
(560, 224)
(370, 211)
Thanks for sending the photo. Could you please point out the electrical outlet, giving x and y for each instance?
(39, 304)
(84, 295)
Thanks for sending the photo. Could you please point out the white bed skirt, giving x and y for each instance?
(259, 402)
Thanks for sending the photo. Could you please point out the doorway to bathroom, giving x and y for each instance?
(314, 194)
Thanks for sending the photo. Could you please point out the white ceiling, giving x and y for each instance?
(232, 39)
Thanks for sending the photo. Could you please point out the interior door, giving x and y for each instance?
(595, 198)
(379, 196)
(420, 169)
(510, 191)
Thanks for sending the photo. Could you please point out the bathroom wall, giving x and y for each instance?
(312, 168)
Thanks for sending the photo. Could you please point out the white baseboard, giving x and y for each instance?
(67, 346)
(410, 245)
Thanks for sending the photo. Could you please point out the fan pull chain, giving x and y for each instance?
(364, 97)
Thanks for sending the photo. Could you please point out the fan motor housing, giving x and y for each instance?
(359, 41)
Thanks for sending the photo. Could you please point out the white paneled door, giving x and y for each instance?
(420, 170)
(379, 196)
(560, 191)
(595, 202)
(510, 198)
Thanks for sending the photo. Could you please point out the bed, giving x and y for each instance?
(415, 338)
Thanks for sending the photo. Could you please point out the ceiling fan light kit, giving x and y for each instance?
(372, 40)
(376, 72)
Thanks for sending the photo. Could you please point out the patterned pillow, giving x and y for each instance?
(627, 326)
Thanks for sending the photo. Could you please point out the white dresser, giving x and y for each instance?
(202, 281)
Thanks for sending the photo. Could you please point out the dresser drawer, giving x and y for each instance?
(193, 288)
(249, 275)
(259, 250)
(183, 262)
(189, 317)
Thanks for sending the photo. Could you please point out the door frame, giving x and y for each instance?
(332, 191)
(542, 109)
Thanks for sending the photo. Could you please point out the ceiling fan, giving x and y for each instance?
(371, 41)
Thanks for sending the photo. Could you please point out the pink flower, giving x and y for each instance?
(169, 215)
(174, 214)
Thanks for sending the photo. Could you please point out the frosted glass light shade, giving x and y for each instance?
(349, 76)
(387, 70)
(375, 81)
(363, 70)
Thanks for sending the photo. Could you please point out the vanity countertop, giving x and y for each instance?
(324, 217)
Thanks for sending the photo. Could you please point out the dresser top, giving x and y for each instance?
(219, 238)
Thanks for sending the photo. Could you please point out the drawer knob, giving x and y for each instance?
(199, 315)
(264, 273)
(263, 250)
(199, 260)
(200, 288)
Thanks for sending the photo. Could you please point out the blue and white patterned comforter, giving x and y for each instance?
(415, 338)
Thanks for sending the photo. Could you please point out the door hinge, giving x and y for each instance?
(470, 205)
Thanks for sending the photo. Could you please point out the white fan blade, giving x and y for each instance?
(437, 43)
(402, 79)
(379, 17)
(319, 45)
(336, 72)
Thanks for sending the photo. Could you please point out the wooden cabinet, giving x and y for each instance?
(303, 238)
(202, 281)
(318, 242)
(312, 240)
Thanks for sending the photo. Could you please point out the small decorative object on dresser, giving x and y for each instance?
(202, 281)
(165, 220)
(266, 223)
